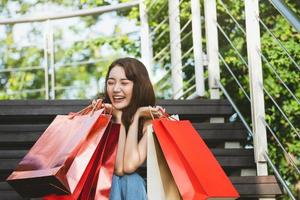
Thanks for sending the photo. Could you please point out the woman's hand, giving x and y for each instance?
(117, 114)
(146, 111)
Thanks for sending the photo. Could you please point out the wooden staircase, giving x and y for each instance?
(23, 121)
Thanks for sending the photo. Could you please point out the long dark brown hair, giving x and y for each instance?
(142, 94)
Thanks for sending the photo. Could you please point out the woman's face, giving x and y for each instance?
(119, 88)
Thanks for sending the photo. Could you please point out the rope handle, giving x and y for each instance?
(162, 115)
(89, 109)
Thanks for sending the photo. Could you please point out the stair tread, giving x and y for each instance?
(216, 151)
(199, 126)
(23, 121)
(247, 186)
(53, 107)
(228, 159)
(27, 134)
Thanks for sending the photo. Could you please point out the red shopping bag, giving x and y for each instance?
(105, 149)
(196, 171)
(99, 181)
(59, 158)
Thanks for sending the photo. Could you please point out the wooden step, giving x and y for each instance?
(23, 121)
(222, 132)
(43, 111)
(228, 158)
(256, 186)
(23, 136)
(247, 186)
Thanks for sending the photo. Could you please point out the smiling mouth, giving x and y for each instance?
(118, 99)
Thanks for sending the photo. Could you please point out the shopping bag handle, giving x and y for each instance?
(90, 108)
(162, 115)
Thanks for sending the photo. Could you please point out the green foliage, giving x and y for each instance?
(285, 69)
(79, 64)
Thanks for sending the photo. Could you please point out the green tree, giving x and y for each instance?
(79, 64)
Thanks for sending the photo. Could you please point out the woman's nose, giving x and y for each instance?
(117, 88)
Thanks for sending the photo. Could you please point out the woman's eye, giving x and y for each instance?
(110, 83)
(124, 83)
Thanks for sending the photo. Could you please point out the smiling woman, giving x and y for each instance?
(128, 90)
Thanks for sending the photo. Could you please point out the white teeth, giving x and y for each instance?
(118, 98)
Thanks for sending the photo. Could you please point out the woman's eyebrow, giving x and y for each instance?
(122, 79)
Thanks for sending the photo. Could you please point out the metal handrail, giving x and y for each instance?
(26, 91)
(78, 13)
(168, 45)
(287, 13)
(278, 107)
(265, 154)
(81, 63)
(234, 107)
(158, 26)
(187, 91)
(282, 181)
(264, 58)
(227, 38)
(183, 56)
(280, 144)
(268, 30)
(179, 90)
(186, 25)
(229, 13)
(25, 45)
(20, 69)
(152, 4)
(71, 42)
(162, 33)
(233, 75)
(161, 8)
(277, 75)
(280, 44)
(70, 87)
(169, 71)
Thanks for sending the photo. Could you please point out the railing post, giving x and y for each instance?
(212, 45)
(52, 61)
(256, 80)
(176, 64)
(210, 11)
(146, 43)
(46, 62)
(197, 44)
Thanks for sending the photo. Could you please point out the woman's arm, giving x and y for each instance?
(135, 151)
(132, 157)
(119, 167)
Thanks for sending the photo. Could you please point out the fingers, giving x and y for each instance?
(158, 111)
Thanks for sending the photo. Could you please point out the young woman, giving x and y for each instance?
(130, 93)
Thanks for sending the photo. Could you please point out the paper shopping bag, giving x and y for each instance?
(60, 156)
(99, 182)
(196, 172)
(103, 157)
(160, 182)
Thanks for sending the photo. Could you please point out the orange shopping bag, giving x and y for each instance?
(58, 159)
(196, 171)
